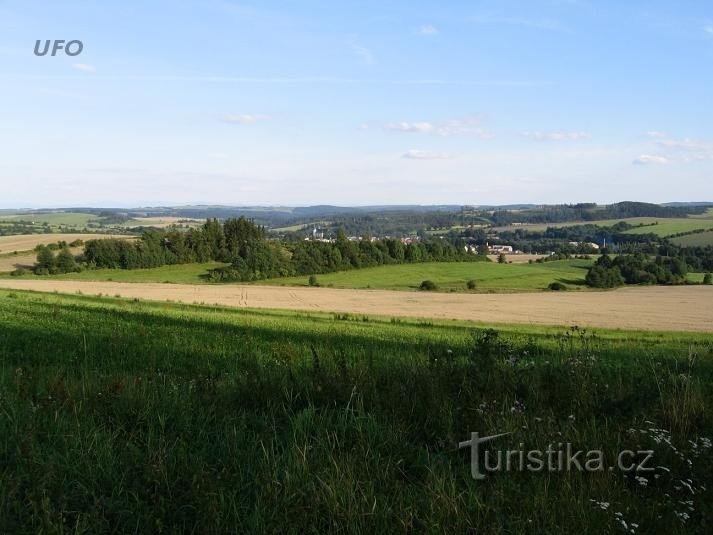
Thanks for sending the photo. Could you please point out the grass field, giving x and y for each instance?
(118, 414)
(668, 227)
(71, 219)
(489, 276)
(660, 226)
(695, 240)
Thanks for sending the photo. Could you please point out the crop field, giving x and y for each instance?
(162, 222)
(118, 414)
(679, 308)
(12, 261)
(27, 242)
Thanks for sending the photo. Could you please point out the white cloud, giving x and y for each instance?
(468, 126)
(558, 135)
(651, 159)
(420, 128)
(708, 28)
(655, 134)
(244, 118)
(362, 52)
(84, 67)
(414, 154)
(427, 30)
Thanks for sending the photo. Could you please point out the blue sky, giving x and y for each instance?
(311, 102)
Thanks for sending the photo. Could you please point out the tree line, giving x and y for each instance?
(608, 272)
(252, 256)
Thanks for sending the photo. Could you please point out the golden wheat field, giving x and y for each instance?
(680, 308)
(27, 242)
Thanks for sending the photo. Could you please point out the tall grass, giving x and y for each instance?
(118, 415)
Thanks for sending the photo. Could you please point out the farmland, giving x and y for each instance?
(680, 308)
(27, 242)
(119, 413)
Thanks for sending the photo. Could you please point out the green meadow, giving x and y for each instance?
(120, 413)
(55, 219)
(489, 276)
(449, 276)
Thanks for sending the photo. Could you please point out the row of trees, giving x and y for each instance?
(244, 245)
(50, 264)
(636, 269)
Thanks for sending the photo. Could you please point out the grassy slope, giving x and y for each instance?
(663, 227)
(489, 276)
(667, 227)
(119, 414)
(694, 240)
(179, 274)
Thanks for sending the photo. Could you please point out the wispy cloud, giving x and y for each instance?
(244, 118)
(415, 154)
(708, 29)
(84, 67)
(537, 24)
(651, 159)
(427, 30)
(558, 135)
(687, 149)
(363, 53)
(452, 127)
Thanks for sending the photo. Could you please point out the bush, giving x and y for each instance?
(428, 285)
(471, 285)
(19, 272)
(313, 281)
(708, 278)
(557, 287)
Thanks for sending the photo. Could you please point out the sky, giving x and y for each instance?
(355, 103)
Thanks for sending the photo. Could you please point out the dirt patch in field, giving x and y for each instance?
(27, 242)
(682, 308)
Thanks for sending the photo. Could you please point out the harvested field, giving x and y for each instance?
(518, 258)
(27, 242)
(24, 260)
(682, 308)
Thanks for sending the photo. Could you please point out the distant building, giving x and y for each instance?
(498, 249)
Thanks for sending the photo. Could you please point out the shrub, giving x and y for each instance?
(471, 284)
(557, 287)
(19, 272)
(313, 281)
(708, 278)
(428, 285)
